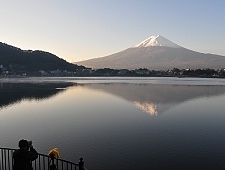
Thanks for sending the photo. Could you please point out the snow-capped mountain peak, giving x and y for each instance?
(156, 53)
(157, 40)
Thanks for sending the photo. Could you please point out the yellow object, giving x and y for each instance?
(54, 152)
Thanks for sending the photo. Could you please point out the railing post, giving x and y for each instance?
(81, 164)
(52, 166)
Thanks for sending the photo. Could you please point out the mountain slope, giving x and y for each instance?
(27, 60)
(156, 52)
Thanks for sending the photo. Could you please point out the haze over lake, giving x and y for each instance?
(119, 123)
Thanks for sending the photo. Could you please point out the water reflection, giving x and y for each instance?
(11, 93)
(93, 120)
(155, 99)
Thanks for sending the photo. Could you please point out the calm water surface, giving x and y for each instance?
(119, 123)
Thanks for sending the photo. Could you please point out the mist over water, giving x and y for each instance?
(119, 123)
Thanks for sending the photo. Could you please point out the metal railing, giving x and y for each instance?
(43, 162)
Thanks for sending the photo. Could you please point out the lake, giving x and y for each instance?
(118, 123)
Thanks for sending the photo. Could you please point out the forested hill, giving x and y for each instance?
(28, 60)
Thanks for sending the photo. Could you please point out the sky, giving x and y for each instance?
(77, 30)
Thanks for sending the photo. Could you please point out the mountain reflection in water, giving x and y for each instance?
(154, 99)
(11, 93)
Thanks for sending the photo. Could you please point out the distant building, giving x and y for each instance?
(55, 71)
(142, 71)
(86, 71)
(123, 72)
(43, 73)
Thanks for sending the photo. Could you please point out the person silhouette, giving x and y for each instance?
(23, 157)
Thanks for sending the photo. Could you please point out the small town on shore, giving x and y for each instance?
(141, 72)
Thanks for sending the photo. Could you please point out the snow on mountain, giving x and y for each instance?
(157, 40)
(156, 53)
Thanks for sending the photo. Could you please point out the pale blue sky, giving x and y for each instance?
(82, 29)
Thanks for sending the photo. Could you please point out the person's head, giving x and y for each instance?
(23, 144)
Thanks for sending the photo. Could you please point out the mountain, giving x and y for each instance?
(28, 60)
(157, 53)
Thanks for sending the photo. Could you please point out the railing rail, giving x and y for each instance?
(43, 162)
